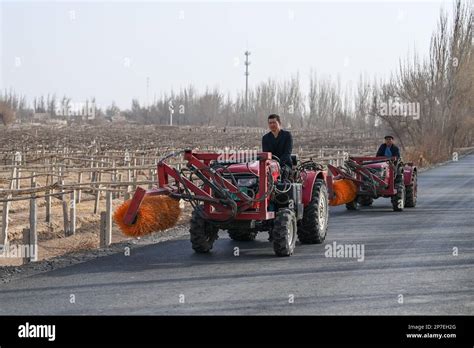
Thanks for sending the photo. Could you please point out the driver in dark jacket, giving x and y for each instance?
(388, 149)
(279, 142)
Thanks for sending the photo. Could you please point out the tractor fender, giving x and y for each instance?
(408, 170)
(308, 184)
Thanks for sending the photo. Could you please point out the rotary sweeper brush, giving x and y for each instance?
(243, 198)
(156, 213)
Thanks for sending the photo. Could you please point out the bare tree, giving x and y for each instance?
(443, 88)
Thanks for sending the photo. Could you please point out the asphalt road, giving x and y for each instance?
(410, 254)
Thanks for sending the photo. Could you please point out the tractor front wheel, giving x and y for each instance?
(398, 201)
(354, 205)
(203, 233)
(313, 227)
(284, 232)
(366, 201)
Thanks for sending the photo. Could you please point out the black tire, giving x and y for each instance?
(354, 205)
(366, 201)
(203, 233)
(242, 235)
(411, 192)
(284, 232)
(398, 201)
(313, 226)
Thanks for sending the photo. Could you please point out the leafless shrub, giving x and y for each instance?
(7, 115)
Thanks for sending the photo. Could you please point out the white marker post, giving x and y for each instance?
(171, 108)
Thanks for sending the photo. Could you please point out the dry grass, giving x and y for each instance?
(81, 242)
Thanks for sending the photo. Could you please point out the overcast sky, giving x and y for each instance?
(108, 49)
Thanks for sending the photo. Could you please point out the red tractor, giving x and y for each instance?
(243, 198)
(374, 177)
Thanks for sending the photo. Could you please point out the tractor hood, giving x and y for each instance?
(250, 167)
(381, 165)
(253, 168)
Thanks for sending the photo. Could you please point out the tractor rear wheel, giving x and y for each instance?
(313, 227)
(242, 235)
(411, 192)
(284, 232)
(203, 233)
(398, 201)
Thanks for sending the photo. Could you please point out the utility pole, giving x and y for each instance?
(247, 63)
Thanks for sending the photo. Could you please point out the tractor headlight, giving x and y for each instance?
(246, 182)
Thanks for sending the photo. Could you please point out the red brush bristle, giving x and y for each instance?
(156, 213)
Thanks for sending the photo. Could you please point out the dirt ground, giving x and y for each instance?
(52, 241)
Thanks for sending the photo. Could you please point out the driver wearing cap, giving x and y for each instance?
(388, 148)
